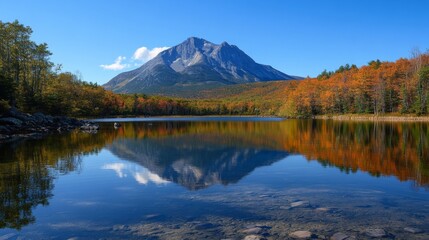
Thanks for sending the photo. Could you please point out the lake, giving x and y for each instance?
(219, 178)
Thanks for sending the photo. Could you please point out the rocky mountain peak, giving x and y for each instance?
(194, 62)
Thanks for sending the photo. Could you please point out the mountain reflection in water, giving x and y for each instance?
(398, 149)
(197, 155)
(194, 161)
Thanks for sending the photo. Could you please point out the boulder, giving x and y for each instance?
(10, 121)
(42, 118)
(4, 129)
(17, 125)
(13, 112)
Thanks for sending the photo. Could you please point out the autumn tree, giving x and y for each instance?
(422, 91)
(24, 65)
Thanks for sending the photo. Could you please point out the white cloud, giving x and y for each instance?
(117, 65)
(140, 178)
(144, 177)
(140, 56)
(117, 167)
(140, 174)
(144, 54)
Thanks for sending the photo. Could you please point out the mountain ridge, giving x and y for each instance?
(194, 62)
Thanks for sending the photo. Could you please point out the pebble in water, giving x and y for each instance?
(300, 234)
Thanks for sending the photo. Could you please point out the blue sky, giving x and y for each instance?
(297, 37)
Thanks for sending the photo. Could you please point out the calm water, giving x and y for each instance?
(218, 178)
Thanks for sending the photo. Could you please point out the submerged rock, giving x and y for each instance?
(323, 209)
(253, 230)
(205, 226)
(120, 227)
(300, 234)
(375, 232)
(339, 236)
(152, 216)
(413, 230)
(253, 237)
(299, 204)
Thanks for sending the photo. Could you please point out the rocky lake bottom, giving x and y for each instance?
(278, 216)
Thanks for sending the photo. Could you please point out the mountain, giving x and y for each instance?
(194, 64)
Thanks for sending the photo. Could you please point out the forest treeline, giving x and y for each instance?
(32, 83)
(376, 88)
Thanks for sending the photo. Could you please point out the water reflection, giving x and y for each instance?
(140, 174)
(28, 168)
(197, 155)
(195, 161)
(398, 149)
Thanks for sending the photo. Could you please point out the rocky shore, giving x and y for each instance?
(16, 125)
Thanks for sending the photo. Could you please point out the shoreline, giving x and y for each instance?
(374, 118)
(16, 125)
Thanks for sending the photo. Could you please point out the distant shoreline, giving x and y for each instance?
(185, 118)
(375, 118)
(355, 117)
(345, 117)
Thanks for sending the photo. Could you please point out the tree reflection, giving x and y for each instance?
(28, 168)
